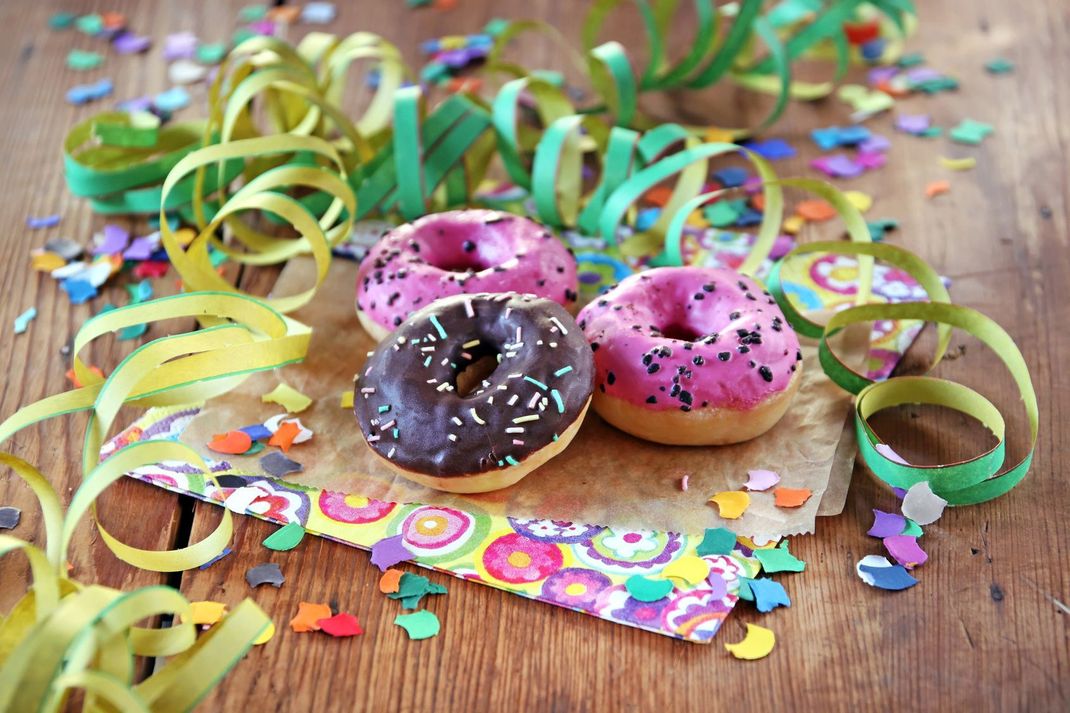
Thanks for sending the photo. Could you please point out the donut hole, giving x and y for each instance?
(471, 376)
(683, 332)
(462, 262)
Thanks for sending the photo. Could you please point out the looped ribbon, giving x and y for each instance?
(62, 635)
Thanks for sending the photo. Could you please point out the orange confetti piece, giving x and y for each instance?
(286, 14)
(113, 20)
(658, 195)
(284, 437)
(937, 188)
(308, 615)
(73, 378)
(758, 201)
(815, 210)
(465, 84)
(390, 581)
(231, 442)
(791, 497)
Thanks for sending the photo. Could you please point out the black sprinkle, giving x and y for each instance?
(724, 356)
(766, 373)
(685, 396)
(734, 315)
(744, 350)
(653, 368)
(594, 346)
(651, 399)
(709, 287)
(611, 378)
(698, 361)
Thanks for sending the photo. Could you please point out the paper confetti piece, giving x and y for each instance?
(285, 436)
(937, 188)
(870, 561)
(390, 581)
(970, 132)
(205, 613)
(273, 424)
(79, 291)
(761, 480)
(340, 625)
(62, 20)
(815, 210)
(45, 261)
(266, 635)
(688, 568)
(922, 505)
(389, 551)
(277, 465)
(239, 499)
(347, 400)
(9, 517)
(84, 93)
(226, 551)
(643, 589)
(904, 549)
(757, 644)
(958, 164)
(419, 625)
(24, 319)
(171, 100)
(744, 592)
(186, 71)
(285, 538)
(886, 451)
(768, 594)
(79, 60)
(414, 587)
(886, 524)
(999, 65)
(230, 443)
(862, 201)
(771, 149)
(129, 43)
(318, 13)
(716, 541)
(791, 497)
(47, 221)
(779, 559)
(308, 617)
(887, 576)
(266, 573)
(254, 449)
(288, 397)
(91, 24)
(912, 528)
(257, 431)
(731, 503)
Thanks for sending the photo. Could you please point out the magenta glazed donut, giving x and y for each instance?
(691, 356)
(460, 252)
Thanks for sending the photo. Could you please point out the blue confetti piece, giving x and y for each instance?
(257, 431)
(171, 100)
(731, 177)
(873, 49)
(851, 135)
(48, 221)
(24, 319)
(84, 93)
(226, 551)
(893, 579)
(79, 291)
(768, 594)
(748, 217)
(826, 139)
(646, 218)
(771, 149)
(318, 13)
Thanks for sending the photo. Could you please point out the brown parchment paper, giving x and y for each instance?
(604, 477)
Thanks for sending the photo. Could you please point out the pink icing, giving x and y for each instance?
(690, 338)
(462, 252)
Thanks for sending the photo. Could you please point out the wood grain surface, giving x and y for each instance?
(987, 627)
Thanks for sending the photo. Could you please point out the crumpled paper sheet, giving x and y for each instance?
(605, 476)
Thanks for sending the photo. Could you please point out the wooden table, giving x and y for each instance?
(987, 628)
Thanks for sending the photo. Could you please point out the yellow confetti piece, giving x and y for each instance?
(793, 225)
(205, 613)
(860, 200)
(266, 635)
(185, 236)
(689, 568)
(757, 644)
(958, 164)
(288, 397)
(346, 400)
(731, 503)
(45, 261)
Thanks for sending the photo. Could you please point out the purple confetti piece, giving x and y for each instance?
(115, 240)
(226, 551)
(47, 221)
(140, 248)
(263, 27)
(389, 551)
(179, 45)
(912, 123)
(875, 144)
(899, 493)
(129, 43)
(879, 75)
(886, 524)
(918, 75)
(870, 161)
(885, 450)
(781, 246)
(904, 549)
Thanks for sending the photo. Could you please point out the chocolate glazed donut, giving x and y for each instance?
(418, 409)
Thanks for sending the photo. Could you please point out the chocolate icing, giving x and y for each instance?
(544, 356)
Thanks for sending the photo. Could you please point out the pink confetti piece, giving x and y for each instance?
(683, 482)
(761, 480)
(905, 550)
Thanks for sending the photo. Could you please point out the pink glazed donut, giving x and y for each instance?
(460, 252)
(691, 356)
